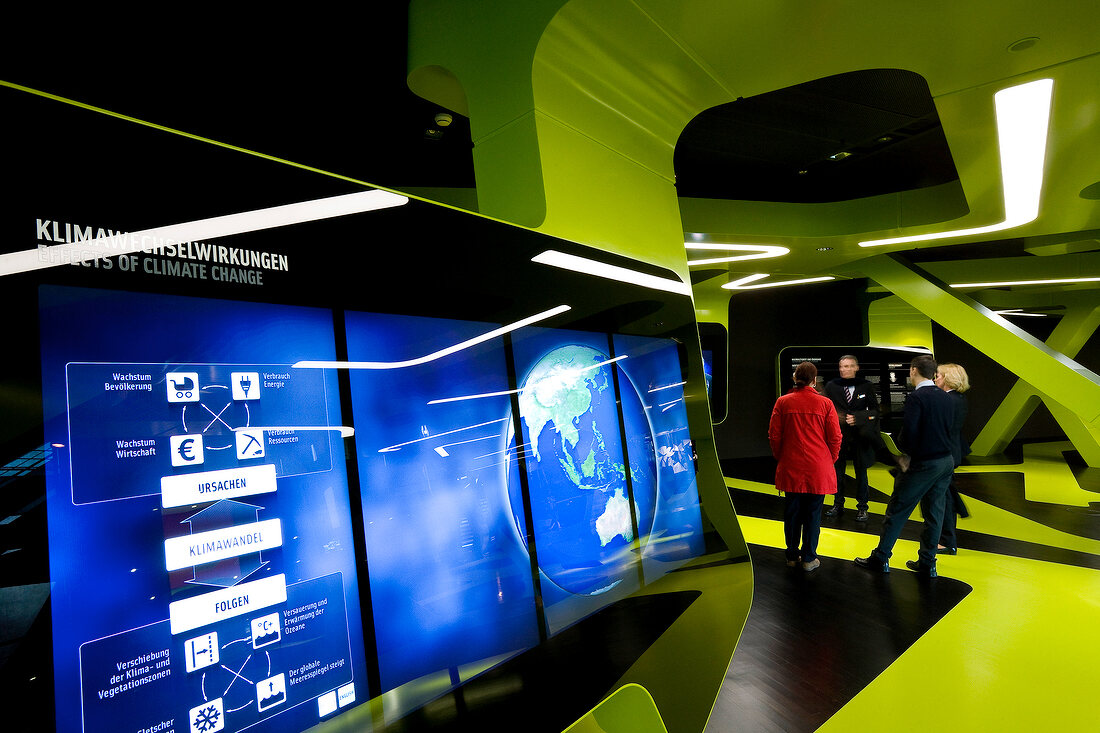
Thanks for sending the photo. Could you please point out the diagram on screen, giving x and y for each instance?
(130, 424)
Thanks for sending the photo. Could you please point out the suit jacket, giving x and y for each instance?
(864, 407)
(959, 447)
(927, 424)
(805, 440)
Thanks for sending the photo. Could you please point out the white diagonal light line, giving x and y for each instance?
(517, 391)
(435, 354)
(200, 229)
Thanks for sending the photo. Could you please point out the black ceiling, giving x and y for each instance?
(777, 146)
(328, 91)
(333, 96)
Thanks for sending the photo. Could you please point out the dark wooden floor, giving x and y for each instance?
(814, 640)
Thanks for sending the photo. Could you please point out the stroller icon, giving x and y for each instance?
(184, 388)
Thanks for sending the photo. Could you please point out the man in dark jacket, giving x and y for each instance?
(857, 409)
(926, 437)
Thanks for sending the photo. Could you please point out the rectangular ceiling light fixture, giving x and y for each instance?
(1023, 118)
(611, 272)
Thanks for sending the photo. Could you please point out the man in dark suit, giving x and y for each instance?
(857, 409)
(926, 437)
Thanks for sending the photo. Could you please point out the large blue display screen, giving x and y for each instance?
(450, 577)
(652, 367)
(577, 474)
(201, 551)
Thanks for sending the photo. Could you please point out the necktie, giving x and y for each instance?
(849, 391)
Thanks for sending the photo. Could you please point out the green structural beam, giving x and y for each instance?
(573, 132)
(1077, 325)
(1052, 373)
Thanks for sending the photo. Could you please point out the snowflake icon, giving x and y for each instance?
(208, 717)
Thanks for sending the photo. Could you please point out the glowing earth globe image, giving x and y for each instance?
(576, 471)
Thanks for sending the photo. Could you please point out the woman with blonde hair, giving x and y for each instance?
(951, 378)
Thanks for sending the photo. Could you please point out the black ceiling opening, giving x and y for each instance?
(789, 145)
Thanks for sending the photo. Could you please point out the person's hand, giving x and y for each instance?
(850, 419)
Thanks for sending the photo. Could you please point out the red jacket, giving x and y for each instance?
(805, 437)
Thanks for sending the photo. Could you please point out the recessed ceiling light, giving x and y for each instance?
(840, 156)
(1023, 116)
(1023, 44)
(824, 249)
(803, 172)
(884, 139)
(755, 252)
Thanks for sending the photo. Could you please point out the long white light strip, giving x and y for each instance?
(667, 386)
(198, 230)
(345, 430)
(1008, 283)
(611, 272)
(741, 284)
(1023, 118)
(1020, 312)
(517, 391)
(435, 354)
(392, 448)
(762, 252)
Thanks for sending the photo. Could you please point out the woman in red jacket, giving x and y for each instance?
(805, 437)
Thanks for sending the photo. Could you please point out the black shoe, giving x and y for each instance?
(836, 511)
(925, 571)
(861, 515)
(947, 551)
(873, 564)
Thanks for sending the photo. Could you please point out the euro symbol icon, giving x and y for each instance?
(185, 449)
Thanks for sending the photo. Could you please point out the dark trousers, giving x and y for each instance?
(953, 508)
(925, 483)
(802, 523)
(858, 453)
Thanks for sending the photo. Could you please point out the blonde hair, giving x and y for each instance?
(954, 377)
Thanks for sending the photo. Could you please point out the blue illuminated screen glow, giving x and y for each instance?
(451, 583)
(201, 543)
(201, 552)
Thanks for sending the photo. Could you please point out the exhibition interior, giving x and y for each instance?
(413, 372)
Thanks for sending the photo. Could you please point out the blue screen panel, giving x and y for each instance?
(653, 368)
(450, 577)
(576, 471)
(200, 541)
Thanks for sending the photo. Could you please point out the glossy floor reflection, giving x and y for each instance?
(1017, 653)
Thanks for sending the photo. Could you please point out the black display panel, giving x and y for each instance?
(886, 368)
(207, 390)
(715, 344)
